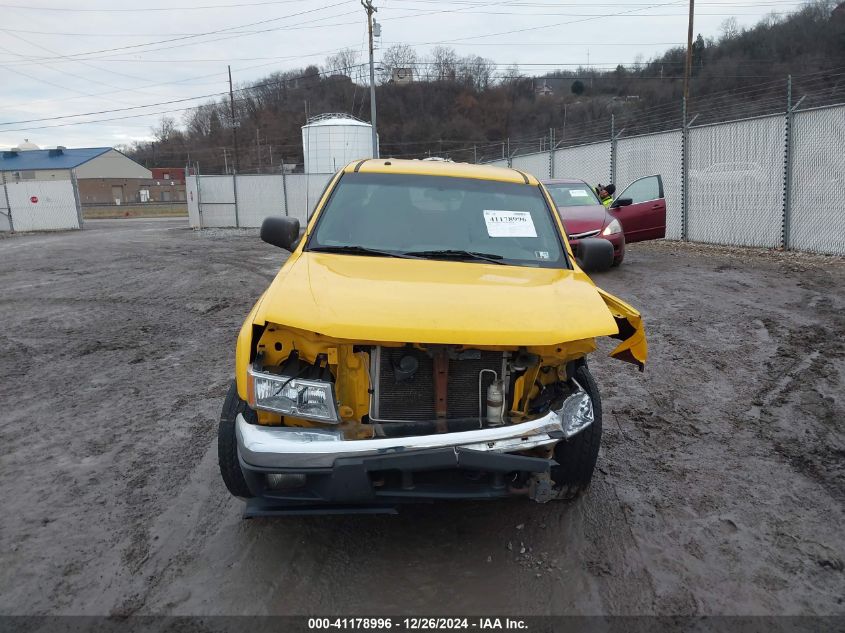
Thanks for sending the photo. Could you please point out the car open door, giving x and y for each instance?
(644, 218)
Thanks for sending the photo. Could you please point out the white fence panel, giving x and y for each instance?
(818, 176)
(217, 189)
(316, 187)
(216, 214)
(217, 200)
(43, 205)
(259, 197)
(590, 163)
(535, 164)
(193, 202)
(736, 182)
(303, 193)
(5, 225)
(649, 155)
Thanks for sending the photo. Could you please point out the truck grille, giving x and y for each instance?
(413, 399)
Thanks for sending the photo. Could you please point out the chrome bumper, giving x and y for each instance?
(287, 447)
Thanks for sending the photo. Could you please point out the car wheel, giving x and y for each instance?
(227, 443)
(576, 457)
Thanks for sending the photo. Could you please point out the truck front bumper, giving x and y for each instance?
(296, 470)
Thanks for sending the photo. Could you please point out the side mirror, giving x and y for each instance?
(594, 254)
(622, 202)
(281, 232)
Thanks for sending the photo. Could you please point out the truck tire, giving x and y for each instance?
(227, 444)
(576, 457)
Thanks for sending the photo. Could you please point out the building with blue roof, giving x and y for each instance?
(104, 175)
(44, 189)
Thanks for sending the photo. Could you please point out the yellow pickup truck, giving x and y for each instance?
(425, 340)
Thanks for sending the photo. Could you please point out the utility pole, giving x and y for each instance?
(688, 66)
(368, 6)
(236, 161)
(563, 131)
(258, 151)
(225, 162)
(236, 167)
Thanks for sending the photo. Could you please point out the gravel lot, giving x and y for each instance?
(720, 487)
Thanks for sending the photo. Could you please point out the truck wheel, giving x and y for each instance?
(576, 457)
(227, 443)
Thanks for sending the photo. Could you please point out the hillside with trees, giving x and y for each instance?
(468, 108)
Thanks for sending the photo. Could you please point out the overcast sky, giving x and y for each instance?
(60, 58)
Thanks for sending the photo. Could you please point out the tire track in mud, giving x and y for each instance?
(804, 360)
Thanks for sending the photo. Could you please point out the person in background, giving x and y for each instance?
(605, 193)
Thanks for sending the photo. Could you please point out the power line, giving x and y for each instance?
(548, 26)
(234, 34)
(545, 5)
(603, 15)
(185, 37)
(764, 86)
(551, 65)
(147, 9)
(133, 116)
(84, 63)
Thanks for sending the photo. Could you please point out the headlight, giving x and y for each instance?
(576, 413)
(613, 228)
(296, 397)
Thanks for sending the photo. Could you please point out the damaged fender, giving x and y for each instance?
(633, 348)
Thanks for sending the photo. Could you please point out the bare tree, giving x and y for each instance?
(202, 120)
(476, 71)
(397, 56)
(729, 28)
(444, 62)
(639, 61)
(512, 74)
(344, 62)
(165, 130)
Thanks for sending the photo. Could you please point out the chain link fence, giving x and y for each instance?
(39, 204)
(5, 211)
(769, 181)
(736, 183)
(537, 164)
(652, 154)
(816, 220)
(591, 163)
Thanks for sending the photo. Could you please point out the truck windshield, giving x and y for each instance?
(437, 217)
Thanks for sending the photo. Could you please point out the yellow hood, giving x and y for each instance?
(423, 301)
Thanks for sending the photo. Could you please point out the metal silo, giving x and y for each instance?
(330, 141)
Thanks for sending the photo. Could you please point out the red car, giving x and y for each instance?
(637, 214)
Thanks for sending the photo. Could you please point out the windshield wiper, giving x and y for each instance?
(359, 250)
(459, 254)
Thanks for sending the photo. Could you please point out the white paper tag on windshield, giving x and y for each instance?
(509, 223)
(578, 193)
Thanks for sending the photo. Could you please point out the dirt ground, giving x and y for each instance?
(720, 487)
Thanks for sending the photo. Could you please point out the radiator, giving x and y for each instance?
(413, 399)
